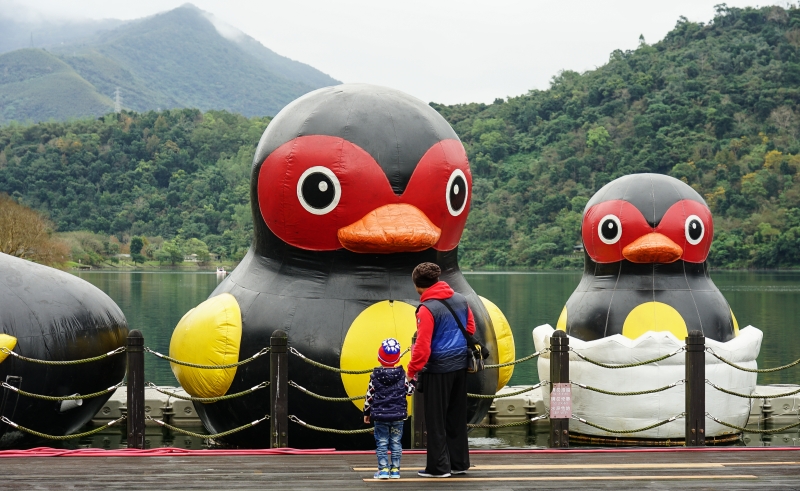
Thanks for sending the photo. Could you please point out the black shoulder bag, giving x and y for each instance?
(476, 352)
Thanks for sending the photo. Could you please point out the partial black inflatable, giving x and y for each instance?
(352, 186)
(54, 315)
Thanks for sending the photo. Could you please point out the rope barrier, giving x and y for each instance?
(62, 398)
(629, 365)
(207, 367)
(324, 398)
(60, 437)
(637, 393)
(201, 435)
(753, 430)
(753, 370)
(299, 421)
(510, 394)
(508, 425)
(334, 369)
(533, 355)
(208, 400)
(637, 430)
(751, 396)
(67, 362)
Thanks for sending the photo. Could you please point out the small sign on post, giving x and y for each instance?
(561, 401)
(560, 391)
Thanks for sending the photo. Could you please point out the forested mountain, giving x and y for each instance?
(181, 58)
(713, 104)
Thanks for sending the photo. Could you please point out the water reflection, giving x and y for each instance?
(154, 302)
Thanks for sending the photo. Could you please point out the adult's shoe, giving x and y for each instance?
(426, 474)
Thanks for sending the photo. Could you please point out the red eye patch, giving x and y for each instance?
(610, 226)
(693, 235)
(312, 186)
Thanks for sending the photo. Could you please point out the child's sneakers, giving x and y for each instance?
(383, 474)
(395, 473)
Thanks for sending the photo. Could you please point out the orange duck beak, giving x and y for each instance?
(652, 248)
(390, 228)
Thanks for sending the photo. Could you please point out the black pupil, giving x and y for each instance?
(458, 193)
(695, 229)
(609, 230)
(318, 190)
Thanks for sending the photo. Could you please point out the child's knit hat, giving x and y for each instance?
(389, 352)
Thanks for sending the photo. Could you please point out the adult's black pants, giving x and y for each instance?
(445, 400)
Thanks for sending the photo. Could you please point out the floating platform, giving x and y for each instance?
(774, 412)
(732, 468)
(156, 405)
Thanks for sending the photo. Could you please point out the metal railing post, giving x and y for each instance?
(559, 384)
(135, 410)
(695, 389)
(279, 390)
(419, 434)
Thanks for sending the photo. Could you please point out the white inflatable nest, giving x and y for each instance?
(631, 412)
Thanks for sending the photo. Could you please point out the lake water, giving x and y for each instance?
(154, 302)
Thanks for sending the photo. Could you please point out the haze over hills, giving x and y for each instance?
(181, 58)
(21, 27)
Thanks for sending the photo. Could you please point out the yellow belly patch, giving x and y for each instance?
(209, 334)
(654, 316)
(735, 325)
(386, 319)
(505, 342)
(8, 342)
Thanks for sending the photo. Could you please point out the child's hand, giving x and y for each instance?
(366, 419)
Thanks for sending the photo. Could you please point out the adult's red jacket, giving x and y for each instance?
(422, 347)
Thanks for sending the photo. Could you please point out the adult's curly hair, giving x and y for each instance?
(426, 274)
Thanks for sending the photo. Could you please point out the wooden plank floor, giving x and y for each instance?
(762, 470)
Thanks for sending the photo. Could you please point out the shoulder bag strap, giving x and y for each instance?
(458, 321)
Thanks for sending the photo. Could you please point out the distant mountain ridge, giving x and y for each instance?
(179, 58)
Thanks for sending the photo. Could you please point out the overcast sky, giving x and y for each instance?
(448, 51)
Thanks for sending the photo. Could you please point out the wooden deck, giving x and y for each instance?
(728, 470)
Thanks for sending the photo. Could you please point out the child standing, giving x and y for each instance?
(385, 405)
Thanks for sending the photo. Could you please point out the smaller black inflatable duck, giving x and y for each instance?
(646, 239)
(51, 315)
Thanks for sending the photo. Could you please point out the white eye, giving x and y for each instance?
(695, 230)
(318, 190)
(456, 192)
(610, 229)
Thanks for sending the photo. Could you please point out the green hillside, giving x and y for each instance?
(170, 60)
(713, 104)
(37, 86)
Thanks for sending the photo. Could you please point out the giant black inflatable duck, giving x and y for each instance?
(646, 239)
(47, 314)
(352, 186)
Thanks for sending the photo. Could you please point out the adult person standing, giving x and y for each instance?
(439, 358)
